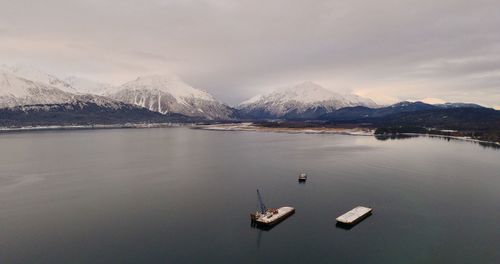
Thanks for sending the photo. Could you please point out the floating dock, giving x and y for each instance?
(355, 215)
(272, 216)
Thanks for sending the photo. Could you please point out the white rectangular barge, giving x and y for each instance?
(355, 215)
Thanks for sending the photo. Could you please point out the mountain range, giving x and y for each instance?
(164, 94)
(33, 96)
(365, 114)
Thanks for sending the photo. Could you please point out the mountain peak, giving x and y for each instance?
(412, 104)
(304, 92)
(86, 86)
(168, 93)
(15, 90)
(168, 83)
(160, 77)
(33, 74)
(300, 98)
(306, 89)
(306, 85)
(11, 85)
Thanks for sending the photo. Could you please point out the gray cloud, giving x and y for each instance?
(388, 50)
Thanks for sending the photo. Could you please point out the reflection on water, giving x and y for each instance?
(394, 137)
(445, 138)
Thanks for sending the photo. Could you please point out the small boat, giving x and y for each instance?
(270, 217)
(302, 177)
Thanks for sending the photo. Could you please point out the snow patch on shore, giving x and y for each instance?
(319, 130)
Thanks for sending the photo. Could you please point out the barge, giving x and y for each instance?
(270, 217)
(355, 215)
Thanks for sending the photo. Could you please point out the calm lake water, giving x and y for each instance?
(177, 195)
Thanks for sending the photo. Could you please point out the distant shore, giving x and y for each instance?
(83, 127)
(454, 137)
(353, 131)
(358, 131)
(213, 127)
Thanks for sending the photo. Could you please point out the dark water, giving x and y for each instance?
(176, 195)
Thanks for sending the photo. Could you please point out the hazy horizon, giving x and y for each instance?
(386, 51)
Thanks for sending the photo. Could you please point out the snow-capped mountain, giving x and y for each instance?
(459, 105)
(18, 91)
(304, 100)
(169, 94)
(35, 75)
(86, 86)
(25, 85)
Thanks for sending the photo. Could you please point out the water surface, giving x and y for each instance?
(176, 195)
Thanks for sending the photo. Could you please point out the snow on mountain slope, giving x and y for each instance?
(306, 98)
(85, 86)
(459, 105)
(35, 75)
(169, 94)
(17, 91)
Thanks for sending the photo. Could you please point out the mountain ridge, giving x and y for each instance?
(306, 98)
(170, 94)
(83, 113)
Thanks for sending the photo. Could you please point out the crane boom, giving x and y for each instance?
(262, 206)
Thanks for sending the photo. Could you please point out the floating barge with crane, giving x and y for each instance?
(270, 217)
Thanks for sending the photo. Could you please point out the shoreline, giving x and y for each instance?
(468, 139)
(238, 127)
(310, 130)
(325, 130)
(88, 127)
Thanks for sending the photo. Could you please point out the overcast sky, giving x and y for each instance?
(385, 50)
